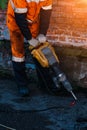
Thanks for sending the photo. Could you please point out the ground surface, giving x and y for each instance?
(40, 111)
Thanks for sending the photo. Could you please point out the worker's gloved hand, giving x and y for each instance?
(41, 38)
(33, 42)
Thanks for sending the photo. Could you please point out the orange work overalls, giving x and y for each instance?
(32, 8)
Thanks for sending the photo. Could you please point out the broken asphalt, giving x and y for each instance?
(41, 110)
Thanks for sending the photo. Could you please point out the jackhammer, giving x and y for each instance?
(47, 58)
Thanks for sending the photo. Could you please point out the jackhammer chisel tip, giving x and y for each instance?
(73, 95)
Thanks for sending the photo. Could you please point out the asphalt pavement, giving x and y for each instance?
(41, 110)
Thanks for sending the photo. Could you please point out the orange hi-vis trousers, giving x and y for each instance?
(17, 46)
(17, 42)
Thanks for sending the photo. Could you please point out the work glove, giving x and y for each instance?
(41, 38)
(33, 42)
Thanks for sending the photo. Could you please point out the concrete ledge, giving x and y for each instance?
(73, 61)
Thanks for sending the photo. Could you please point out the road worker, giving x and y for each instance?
(27, 19)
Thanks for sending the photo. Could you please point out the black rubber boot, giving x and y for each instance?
(23, 91)
(21, 78)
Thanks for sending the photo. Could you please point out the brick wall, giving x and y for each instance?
(68, 24)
